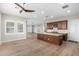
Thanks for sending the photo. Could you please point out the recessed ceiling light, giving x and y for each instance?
(42, 12)
(51, 16)
(68, 11)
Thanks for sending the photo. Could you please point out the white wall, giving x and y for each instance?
(0, 28)
(29, 28)
(73, 28)
(38, 28)
(12, 37)
(36, 24)
(29, 25)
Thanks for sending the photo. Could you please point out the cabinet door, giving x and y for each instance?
(59, 25)
(46, 37)
(50, 25)
(50, 39)
(40, 36)
(64, 25)
(55, 40)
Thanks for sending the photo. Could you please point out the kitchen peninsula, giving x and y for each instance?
(56, 32)
(54, 38)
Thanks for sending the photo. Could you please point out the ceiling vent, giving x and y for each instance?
(65, 6)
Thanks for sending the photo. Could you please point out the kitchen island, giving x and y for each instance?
(54, 38)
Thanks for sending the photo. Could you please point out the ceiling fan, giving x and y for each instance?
(23, 9)
(65, 6)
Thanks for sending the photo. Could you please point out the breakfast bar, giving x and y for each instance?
(54, 38)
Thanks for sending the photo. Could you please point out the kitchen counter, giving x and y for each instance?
(54, 34)
(54, 38)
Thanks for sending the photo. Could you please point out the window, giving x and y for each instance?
(20, 27)
(14, 27)
(9, 27)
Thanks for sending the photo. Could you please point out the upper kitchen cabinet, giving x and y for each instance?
(52, 25)
(61, 25)
(49, 25)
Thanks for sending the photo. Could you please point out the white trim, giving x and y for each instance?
(15, 27)
(6, 27)
(0, 29)
(13, 40)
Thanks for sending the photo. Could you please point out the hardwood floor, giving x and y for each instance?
(34, 47)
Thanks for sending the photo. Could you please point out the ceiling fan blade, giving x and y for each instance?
(65, 6)
(29, 10)
(20, 11)
(24, 8)
(19, 5)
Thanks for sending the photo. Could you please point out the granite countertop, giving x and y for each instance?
(54, 34)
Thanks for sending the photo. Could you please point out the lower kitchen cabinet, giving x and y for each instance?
(57, 40)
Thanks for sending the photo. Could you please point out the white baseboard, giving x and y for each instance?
(12, 40)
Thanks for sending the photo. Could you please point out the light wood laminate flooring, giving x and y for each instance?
(33, 47)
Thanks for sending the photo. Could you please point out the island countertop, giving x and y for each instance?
(53, 34)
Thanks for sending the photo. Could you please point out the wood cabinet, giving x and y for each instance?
(64, 25)
(49, 25)
(61, 25)
(39, 36)
(57, 40)
(65, 37)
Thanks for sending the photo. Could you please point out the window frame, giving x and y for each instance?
(23, 27)
(15, 27)
(6, 21)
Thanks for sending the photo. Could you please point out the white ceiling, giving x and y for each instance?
(50, 9)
